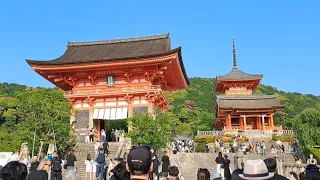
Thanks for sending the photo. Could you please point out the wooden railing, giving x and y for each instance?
(112, 90)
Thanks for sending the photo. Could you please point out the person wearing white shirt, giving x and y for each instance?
(117, 134)
(24, 159)
(312, 160)
(96, 147)
(14, 156)
(89, 167)
(279, 143)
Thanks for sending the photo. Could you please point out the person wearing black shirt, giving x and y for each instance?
(71, 158)
(271, 164)
(34, 164)
(56, 167)
(105, 147)
(42, 172)
(165, 164)
(119, 171)
(156, 163)
(226, 164)
(220, 160)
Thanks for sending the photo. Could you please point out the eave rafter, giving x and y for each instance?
(109, 64)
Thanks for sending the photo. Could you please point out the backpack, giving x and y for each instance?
(101, 158)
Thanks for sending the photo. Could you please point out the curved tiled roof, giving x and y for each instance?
(248, 102)
(237, 74)
(114, 50)
(117, 49)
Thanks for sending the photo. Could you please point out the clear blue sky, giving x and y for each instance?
(279, 39)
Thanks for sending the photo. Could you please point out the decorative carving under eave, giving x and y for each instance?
(91, 101)
(129, 98)
(128, 77)
(72, 101)
(153, 96)
(150, 75)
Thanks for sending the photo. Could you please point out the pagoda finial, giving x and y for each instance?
(234, 53)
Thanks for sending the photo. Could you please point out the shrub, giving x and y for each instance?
(226, 139)
(283, 138)
(202, 141)
(242, 139)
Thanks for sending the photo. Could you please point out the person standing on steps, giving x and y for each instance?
(71, 159)
(117, 135)
(96, 147)
(56, 167)
(91, 135)
(103, 136)
(89, 167)
(220, 160)
(113, 136)
(87, 134)
(105, 146)
(165, 164)
(100, 161)
(226, 164)
(155, 163)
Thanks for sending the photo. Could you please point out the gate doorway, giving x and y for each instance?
(108, 125)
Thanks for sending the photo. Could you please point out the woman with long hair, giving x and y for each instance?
(226, 164)
(203, 174)
(89, 167)
(71, 158)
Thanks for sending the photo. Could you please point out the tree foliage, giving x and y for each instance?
(152, 132)
(40, 111)
(195, 104)
(307, 127)
(23, 110)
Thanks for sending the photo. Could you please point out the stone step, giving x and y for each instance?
(191, 162)
(83, 149)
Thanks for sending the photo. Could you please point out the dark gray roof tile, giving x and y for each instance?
(237, 74)
(248, 102)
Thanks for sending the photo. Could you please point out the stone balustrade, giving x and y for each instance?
(246, 132)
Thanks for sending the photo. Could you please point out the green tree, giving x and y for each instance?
(152, 132)
(307, 127)
(43, 111)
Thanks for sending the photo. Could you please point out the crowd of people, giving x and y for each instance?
(90, 135)
(183, 145)
(142, 163)
(256, 170)
(44, 167)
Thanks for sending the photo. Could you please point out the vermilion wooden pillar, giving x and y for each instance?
(271, 121)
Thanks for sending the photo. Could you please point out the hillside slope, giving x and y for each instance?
(197, 101)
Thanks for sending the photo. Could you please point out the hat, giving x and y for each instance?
(255, 169)
(139, 158)
(216, 175)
